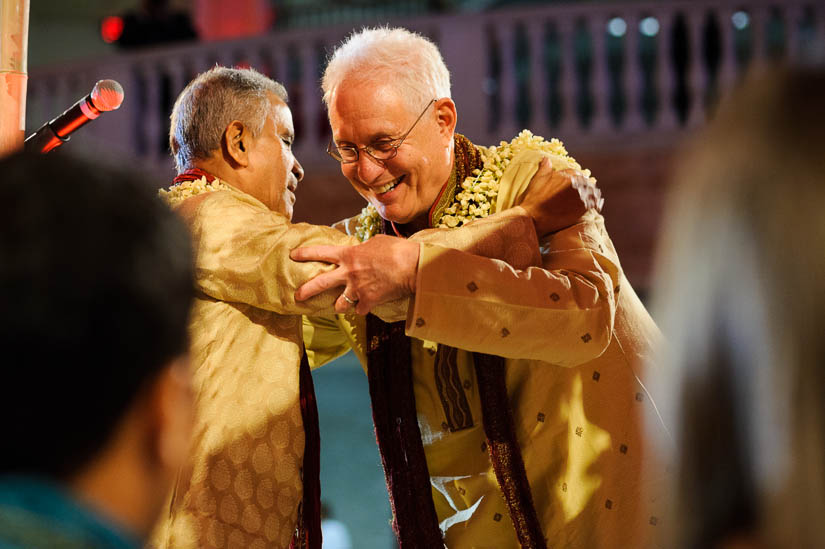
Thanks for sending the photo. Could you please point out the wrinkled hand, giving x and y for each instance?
(375, 272)
(556, 199)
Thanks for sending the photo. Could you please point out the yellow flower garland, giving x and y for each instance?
(477, 197)
(186, 189)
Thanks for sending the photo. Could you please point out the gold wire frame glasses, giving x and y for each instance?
(380, 151)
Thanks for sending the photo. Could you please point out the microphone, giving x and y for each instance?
(107, 95)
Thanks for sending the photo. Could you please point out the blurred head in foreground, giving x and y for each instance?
(741, 298)
(95, 289)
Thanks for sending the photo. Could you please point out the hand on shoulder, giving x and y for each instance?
(557, 199)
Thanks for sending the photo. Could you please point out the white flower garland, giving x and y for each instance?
(368, 223)
(187, 189)
(477, 197)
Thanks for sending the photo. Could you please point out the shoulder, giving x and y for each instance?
(225, 209)
(529, 149)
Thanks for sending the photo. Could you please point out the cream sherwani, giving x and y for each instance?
(576, 339)
(242, 485)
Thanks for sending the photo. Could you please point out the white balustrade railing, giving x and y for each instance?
(658, 94)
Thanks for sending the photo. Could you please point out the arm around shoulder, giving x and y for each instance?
(242, 255)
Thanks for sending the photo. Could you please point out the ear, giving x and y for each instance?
(172, 409)
(236, 142)
(446, 116)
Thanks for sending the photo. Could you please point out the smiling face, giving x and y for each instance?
(274, 171)
(402, 188)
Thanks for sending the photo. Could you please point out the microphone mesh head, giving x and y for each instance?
(107, 95)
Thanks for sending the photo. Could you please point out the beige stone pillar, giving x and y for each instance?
(14, 48)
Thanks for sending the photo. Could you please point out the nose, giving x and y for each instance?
(368, 168)
(298, 170)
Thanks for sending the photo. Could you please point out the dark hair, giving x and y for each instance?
(96, 283)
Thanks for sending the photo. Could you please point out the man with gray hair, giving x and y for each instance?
(509, 407)
(252, 479)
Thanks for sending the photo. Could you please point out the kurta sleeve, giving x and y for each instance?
(509, 235)
(562, 312)
(327, 337)
(324, 339)
(242, 254)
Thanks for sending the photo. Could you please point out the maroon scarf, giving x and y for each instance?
(396, 423)
(308, 532)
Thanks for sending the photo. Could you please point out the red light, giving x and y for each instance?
(111, 28)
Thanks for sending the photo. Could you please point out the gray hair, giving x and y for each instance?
(210, 102)
(409, 60)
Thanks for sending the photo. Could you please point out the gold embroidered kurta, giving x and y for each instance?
(242, 484)
(576, 338)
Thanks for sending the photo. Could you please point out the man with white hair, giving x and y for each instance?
(252, 479)
(508, 408)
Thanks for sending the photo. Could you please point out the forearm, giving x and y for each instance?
(242, 255)
(562, 313)
(509, 236)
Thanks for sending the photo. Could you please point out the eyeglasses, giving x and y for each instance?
(380, 151)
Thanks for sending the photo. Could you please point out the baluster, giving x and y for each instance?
(492, 81)
(280, 61)
(665, 80)
(727, 50)
(204, 60)
(597, 25)
(793, 20)
(176, 69)
(311, 97)
(632, 77)
(269, 59)
(464, 44)
(819, 27)
(507, 84)
(321, 121)
(220, 54)
(149, 118)
(124, 131)
(570, 123)
(295, 76)
(539, 91)
(251, 53)
(759, 23)
(697, 71)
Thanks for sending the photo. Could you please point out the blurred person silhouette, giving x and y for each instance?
(740, 296)
(95, 290)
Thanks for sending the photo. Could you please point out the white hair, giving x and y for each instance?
(410, 61)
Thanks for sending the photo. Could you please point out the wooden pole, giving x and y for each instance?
(14, 47)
